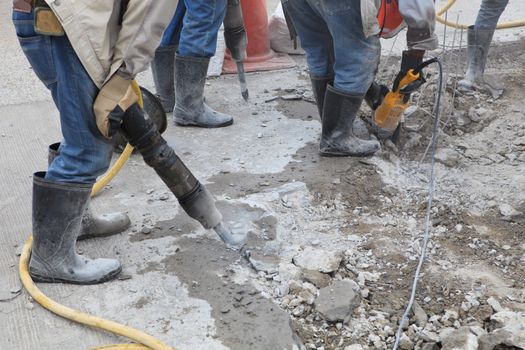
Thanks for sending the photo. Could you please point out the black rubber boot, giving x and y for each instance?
(190, 108)
(338, 139)
(162, 67)
(319, 89)
(57, 216)
(95, 225)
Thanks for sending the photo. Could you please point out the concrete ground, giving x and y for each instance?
(181, 285)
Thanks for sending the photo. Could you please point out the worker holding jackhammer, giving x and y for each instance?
(341, 41)
(479, 37)
(181, 62)
(87, 53)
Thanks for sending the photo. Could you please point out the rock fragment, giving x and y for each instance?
(337, 301)
(461, 338)
(318, 260)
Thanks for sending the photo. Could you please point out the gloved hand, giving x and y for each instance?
(410, 60)
(112, 101)
(234, 31)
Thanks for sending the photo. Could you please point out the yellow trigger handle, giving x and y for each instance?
(407, 79)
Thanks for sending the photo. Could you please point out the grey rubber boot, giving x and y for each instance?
(95, 225)
(57, 216)
(162, 67)
(190, 108)
(338, 139)
(477, 52)
(319, 90)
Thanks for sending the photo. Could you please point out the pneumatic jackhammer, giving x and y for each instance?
(193, 196)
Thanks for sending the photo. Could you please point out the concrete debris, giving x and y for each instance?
(459, 339)
(419, 315)
(266, 263)
(494, 304)
(318, 260)
(354, 347)
(507, 210)
(448, 157)
(477, 114)
(319, 279)
(405, 343)
(509, 331)
(337, 301)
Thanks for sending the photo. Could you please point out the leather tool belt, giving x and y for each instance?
(45, 21)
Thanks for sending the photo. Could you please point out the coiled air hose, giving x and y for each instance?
(143, 340)
(504, 25)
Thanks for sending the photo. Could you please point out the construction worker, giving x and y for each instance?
(479, 37)
(340, 38)
(88, 72)
(181, 62)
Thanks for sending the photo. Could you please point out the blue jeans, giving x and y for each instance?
(84, 153)
(197, 37)
(489, 14)
(332, 36)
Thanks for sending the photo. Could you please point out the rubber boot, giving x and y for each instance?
(477, 52)
(319, 90)
(162, 67)
(190, 108)
(95, 225)
(338, 139)
(57, 216)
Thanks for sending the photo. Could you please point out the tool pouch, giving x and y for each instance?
(46, 23)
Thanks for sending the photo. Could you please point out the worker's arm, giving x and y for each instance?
(143, 23)
(420, 17)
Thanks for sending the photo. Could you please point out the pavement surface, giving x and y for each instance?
(179, 283)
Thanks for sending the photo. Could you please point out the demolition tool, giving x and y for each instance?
(388, 115)
(236, 41)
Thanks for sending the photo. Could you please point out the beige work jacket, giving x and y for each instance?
(419, 16)
(106, 40)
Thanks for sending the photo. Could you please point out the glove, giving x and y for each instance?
(410, 60)
(234, 31)
(112, 101)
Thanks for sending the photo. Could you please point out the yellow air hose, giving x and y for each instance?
(504, 25)
(144, 341)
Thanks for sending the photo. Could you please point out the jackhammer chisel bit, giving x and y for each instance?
(193, 196)
(236, 40)
(242, 80)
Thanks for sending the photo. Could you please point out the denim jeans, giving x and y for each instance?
(84, 153)
(489, 14)
(197, 37)
(332, 36)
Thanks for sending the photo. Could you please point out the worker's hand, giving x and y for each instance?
(112, 101)
(410, 60)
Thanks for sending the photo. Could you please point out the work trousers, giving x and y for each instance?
(489, 14)
(331, 34)
(84, 154)
(197, 36)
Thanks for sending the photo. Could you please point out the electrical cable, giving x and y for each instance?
(429, 207)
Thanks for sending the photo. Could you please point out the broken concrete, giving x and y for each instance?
(318, 260)
(337, 301)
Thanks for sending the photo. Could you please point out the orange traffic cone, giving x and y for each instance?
(259, 55)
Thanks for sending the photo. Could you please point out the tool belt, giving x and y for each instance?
(45, 21)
